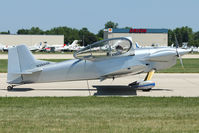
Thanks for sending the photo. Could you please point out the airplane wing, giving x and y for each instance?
(130, 70)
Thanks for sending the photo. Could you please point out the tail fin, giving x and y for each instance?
(74, 43)
(137, 45)
(20, 59)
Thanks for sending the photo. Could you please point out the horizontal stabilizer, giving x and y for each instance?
(21, 62)
(31, 71)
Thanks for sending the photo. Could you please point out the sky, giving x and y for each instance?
(93, 14)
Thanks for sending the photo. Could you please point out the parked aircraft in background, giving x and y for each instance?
(195, 49)
(36, 47)
(60, 48)
(5, 48)
(55, 48)
(90, 64)
(74, 46)
(1, 47)
(153, 46)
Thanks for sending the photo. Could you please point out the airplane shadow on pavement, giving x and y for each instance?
(104, 90)
(115, 90)
(120, 90)
(31, 89)
(20, 89)
(99, 91)
(161, 89)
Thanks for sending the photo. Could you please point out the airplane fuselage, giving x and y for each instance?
(143, 60)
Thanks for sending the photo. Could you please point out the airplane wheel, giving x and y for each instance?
(133, 84)
(146, 90)
(9, 88)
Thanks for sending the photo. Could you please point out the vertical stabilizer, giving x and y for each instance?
(20, 59)
(74, 43)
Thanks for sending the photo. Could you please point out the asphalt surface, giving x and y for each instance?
(185, 85)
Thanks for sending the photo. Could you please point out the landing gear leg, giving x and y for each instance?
(149, 75)
(146, 84)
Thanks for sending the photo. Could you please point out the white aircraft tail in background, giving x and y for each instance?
(74, 43)
(1, 47)
(137, 45)
(75, 46)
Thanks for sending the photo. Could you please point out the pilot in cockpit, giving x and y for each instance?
(119, 50)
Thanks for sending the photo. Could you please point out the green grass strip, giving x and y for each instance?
(190, 66)
(99, 114)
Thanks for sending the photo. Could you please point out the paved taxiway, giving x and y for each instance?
(186, 85)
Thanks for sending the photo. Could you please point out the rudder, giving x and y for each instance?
(20, 59)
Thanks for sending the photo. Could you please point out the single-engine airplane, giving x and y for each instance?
(120, 58)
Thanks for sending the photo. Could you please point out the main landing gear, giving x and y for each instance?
(146, 84)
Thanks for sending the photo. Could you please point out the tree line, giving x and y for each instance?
(70, 34)
(183, 34)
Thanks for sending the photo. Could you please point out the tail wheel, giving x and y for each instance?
(9, 88)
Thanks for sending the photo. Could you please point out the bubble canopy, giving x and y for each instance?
(105, 48)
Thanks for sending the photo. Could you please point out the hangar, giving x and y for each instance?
(144, 37)
(30, 40)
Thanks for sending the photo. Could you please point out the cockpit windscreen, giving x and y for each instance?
(104, 48)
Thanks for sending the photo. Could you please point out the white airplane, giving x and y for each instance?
(74, 46)
(6, 47)
(1, 47)
(153, 46)
(50, 48)
(90, 64)
(58, 48)
(195, 49)
(36, 47)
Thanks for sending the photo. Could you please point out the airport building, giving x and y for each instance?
(30, 40)
(144, 37)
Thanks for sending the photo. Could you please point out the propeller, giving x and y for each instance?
(178, 55)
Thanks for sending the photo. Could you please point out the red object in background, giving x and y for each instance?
(137, 30)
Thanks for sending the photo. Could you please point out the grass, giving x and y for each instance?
(3, 65)
(99, 114)
(190, 66)
(3, 52)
